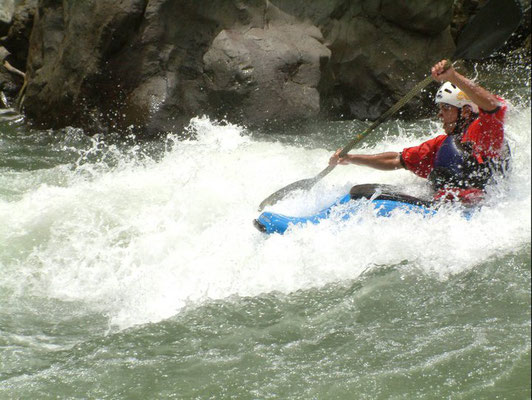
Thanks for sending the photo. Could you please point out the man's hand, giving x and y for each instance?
(336, 159)
(480, 96)
(443, 71)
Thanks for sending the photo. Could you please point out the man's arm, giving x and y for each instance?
(388, 161)
(480, 96)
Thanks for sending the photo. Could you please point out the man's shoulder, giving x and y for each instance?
(498, 112)
(435, 141)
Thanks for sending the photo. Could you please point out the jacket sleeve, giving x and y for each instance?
(486, 133)
(420, 159)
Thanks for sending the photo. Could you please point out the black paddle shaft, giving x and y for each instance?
(485, 33)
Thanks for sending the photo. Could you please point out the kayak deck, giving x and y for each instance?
(270, 222)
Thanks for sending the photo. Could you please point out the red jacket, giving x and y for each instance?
(486, 133)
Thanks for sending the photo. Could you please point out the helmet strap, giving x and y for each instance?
(462, 124)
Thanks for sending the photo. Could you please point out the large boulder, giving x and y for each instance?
(262, 74)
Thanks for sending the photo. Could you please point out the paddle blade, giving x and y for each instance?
(489, 29)
(304, 184)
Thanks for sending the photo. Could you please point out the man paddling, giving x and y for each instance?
(460, 163)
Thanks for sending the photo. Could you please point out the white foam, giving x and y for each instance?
(141, 240)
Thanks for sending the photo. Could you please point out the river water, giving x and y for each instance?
(133, 270)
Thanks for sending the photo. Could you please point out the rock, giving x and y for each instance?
(71, 75)
(375, 61)
(4, 53)
(10, 83)
(7, 9)
(264, 74)
(18, 36)
(108, 65)
(424, 16)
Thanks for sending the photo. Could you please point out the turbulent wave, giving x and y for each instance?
(138, 233)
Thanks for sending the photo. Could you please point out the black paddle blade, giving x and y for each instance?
(304, 184)
(489, 29)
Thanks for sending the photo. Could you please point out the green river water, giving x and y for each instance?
(132, 271)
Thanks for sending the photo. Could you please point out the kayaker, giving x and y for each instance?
(460, 163)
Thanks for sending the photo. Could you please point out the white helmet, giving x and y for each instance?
(449, 93)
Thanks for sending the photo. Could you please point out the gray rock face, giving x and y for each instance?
(106, 65)
(424, 16)
(375, 60)
(18, 34)
(10, 83)
(7, 9)
(266, 73)
(72, 70)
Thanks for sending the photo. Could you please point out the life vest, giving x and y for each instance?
(455, 167)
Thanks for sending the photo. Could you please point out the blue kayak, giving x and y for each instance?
(270, 222)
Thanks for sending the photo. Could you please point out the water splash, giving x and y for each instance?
(137, 237)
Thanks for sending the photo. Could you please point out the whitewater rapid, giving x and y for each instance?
(141, 238)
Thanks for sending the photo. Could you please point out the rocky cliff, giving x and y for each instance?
(151, 65)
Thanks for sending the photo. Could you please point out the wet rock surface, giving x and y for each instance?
(150, 66)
